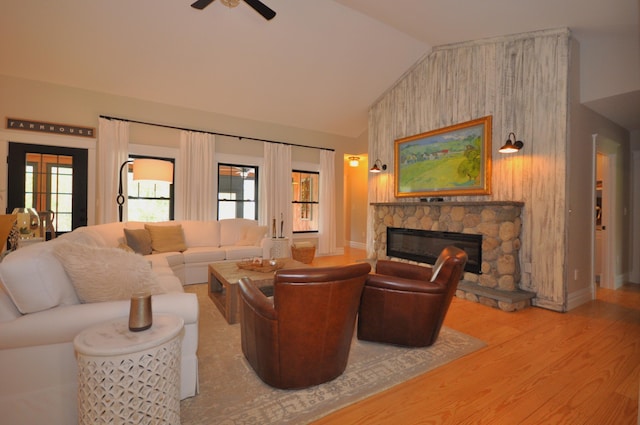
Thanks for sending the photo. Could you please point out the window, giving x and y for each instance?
(149, 201)
(305, 201)
(237, 189)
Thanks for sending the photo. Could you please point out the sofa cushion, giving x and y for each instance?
(231, 230)
(110, 234)
(252, 235)
(35, 279)
(201, 233)
(171, 259)
(8, 310)
(139, 240)
(203, 255)
(166, 238)
(240, 252)
(105, 274)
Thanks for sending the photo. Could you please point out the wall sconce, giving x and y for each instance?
(354, 161)
(145, 169)
(511, 147)
(378, 166)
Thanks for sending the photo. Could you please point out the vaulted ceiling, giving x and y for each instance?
(318, 65)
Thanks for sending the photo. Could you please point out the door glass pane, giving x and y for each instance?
(49, 187)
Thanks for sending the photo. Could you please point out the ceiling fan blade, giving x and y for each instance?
(261, 8)
(201, 4)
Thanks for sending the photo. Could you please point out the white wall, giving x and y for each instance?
(40, 101)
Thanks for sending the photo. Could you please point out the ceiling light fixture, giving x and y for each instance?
(230, 3)
(354, 161)
(511, 147)
(378, 167)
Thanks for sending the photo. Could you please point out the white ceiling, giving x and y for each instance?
(318, 65)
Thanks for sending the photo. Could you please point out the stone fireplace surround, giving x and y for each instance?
(498, 221)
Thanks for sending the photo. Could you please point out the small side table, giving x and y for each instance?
(280, 248)
(129, 377)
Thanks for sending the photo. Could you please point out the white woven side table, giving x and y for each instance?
(129, 377)
(280, 248)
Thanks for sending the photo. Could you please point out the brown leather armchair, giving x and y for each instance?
(302, 336)
(405, 304)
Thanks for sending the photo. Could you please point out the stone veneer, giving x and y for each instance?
(499, 223)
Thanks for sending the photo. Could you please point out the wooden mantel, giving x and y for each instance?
(448, 203)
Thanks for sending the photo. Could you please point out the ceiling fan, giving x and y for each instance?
(257, 5)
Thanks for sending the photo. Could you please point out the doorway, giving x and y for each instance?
(605, 196)
(49, 178)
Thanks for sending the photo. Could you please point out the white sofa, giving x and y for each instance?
(41, 310)
(206, 242)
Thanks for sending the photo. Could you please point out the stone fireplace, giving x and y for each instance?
(499, 223)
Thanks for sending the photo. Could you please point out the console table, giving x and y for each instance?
(129, 377)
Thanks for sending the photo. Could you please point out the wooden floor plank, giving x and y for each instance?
(539, 367)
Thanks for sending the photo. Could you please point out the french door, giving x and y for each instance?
(49, 178)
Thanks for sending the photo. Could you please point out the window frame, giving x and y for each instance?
(256, 200)
(133, 157)
(294, 202)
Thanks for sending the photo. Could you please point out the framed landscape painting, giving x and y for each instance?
(451, 161)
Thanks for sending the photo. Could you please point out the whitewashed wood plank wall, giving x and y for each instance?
(522, 81)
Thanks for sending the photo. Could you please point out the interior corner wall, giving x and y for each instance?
(522, 81)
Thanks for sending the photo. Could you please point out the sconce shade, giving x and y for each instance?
(511, 146)
(354, 161)
(378, 167)
(153, 169)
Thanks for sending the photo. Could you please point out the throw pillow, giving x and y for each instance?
(139, 240)
(252, 235)
(105, 274)
(166, 238)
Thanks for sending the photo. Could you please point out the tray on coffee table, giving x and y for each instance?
(265, 266)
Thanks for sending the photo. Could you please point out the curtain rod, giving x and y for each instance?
(213, 132)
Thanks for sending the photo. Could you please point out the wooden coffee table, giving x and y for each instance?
(223, 284)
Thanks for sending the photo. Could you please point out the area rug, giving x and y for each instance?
(232, 394)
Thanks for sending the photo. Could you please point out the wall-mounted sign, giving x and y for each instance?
(47, 127)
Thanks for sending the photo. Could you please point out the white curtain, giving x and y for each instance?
(275, 189)
(327, 225)
(112, 152)
(197, 194)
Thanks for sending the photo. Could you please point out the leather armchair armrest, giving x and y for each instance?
(402, 284)
(258, 301)
(405, 270)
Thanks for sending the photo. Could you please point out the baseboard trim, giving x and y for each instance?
(357, 245)
(579, 297)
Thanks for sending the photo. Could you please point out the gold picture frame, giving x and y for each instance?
(451, 161)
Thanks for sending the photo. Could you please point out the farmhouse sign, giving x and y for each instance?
(46, 127)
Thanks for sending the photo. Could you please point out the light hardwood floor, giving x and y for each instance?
(539, 367)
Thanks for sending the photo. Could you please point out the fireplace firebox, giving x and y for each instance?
(424, 246)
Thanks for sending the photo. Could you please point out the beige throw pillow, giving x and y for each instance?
(105, 274)
(166, 238)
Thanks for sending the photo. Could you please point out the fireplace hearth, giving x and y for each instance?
(424, 246)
